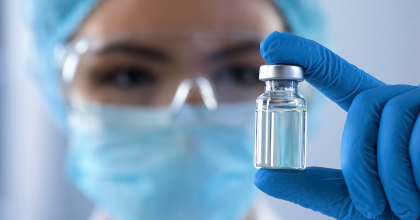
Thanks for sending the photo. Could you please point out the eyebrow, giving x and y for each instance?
(136, 50)
(162, 56)
(235, 51)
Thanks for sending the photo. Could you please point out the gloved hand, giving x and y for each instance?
(380, 150)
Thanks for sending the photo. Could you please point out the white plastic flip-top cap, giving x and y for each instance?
(281, 72)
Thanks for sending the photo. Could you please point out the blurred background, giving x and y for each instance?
(380, 37)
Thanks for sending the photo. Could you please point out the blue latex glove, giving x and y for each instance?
(380, 155)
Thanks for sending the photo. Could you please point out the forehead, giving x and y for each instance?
(125, 16)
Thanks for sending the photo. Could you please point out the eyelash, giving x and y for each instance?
(127, 77)
(136, 77)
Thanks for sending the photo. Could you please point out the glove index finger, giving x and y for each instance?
(329, 73)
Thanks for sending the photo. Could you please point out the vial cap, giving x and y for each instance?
(282, 72)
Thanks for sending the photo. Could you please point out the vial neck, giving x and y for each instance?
(281, 85)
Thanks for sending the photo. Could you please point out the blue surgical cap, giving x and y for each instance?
(53, 21)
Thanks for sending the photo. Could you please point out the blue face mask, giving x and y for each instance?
(139, 163)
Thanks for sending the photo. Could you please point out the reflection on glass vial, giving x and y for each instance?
(280, 119)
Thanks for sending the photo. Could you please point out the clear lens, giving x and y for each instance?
(146, 69)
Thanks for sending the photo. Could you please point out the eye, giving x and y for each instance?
(239, 75)
(127, 78)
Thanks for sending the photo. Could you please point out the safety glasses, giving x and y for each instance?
(160, 68)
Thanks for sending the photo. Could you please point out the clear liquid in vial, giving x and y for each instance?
(280, 139)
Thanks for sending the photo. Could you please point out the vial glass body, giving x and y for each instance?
(280, 127)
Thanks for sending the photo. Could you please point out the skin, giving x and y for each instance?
(112, 18)
(115, 17)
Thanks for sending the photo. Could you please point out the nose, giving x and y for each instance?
(199, 91)
(194, 97)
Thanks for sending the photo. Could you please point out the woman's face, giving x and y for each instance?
(134, 68)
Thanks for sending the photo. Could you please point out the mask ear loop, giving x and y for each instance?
(206, 92)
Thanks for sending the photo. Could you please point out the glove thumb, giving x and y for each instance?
(316, 188)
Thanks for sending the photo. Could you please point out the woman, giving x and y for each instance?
(159, 99)
(159, 103)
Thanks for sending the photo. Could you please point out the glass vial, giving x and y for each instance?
(280, 119)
